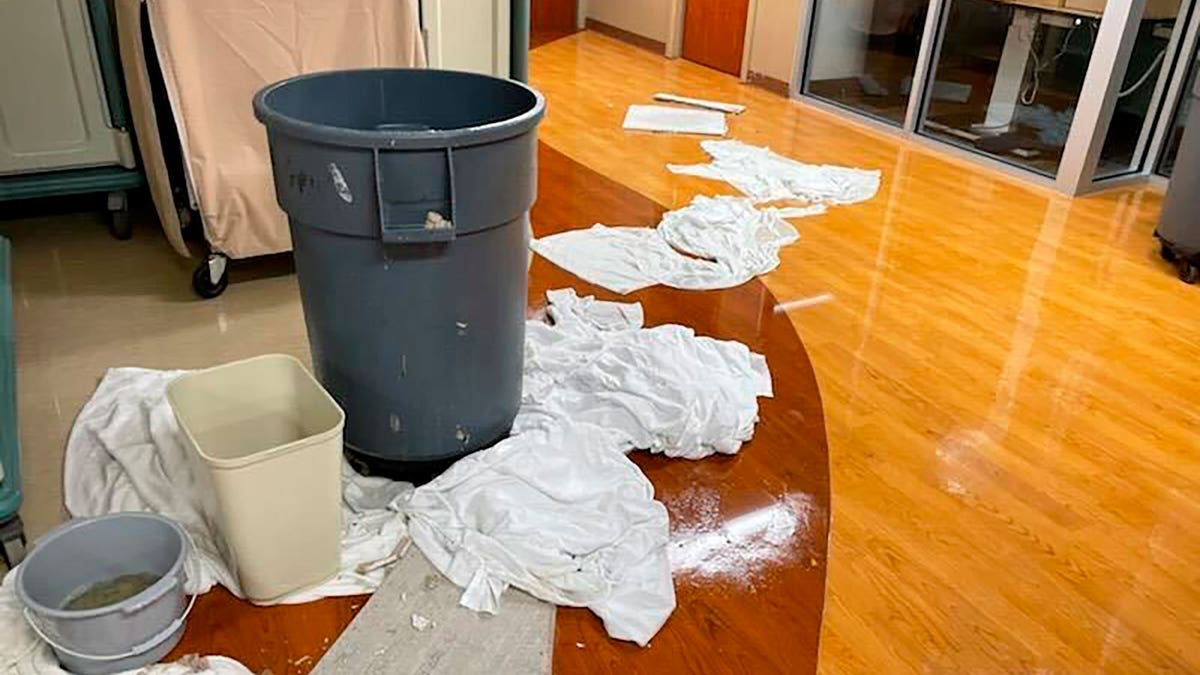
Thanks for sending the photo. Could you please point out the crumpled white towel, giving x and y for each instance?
(765, 176)
(559, 512)
(712, 243)
(662, 389)
(126, 453)
(22, 652)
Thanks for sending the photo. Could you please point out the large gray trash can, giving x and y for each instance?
(1179, 224)
(408, 196)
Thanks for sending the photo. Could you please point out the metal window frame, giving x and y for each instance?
(1176, 91)
(1076, 173)
(927, 56)
(1098, 97)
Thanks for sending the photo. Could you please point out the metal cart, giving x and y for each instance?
(12, 535)
(1179, 225)
(66, 120)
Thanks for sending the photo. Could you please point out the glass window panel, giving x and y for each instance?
(862, 54)
(1008, 77)
(1129, 132)
(1186, 100)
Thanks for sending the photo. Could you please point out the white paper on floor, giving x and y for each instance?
(22, 652)
(597, 384)
(674, 120)
(712, 243)
(557, 510)
(765, 176)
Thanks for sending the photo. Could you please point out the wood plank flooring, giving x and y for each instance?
(749, 532)
(1010, 381)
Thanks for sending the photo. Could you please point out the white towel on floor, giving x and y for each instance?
(662, 389)
(712, 243)
(765, 176)
(560, 513)
(557, 510)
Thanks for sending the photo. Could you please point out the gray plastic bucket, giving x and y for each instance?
(79, 553)
(408, 196)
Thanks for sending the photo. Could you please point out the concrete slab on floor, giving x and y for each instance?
(382, 639)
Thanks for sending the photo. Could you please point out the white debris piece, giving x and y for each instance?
(765, 176)
(731, 108)
(712, 243)
(421, 622)
(674, 120)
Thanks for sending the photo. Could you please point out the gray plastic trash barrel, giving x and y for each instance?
(79, 553)
(408, 196)
(1179, 224)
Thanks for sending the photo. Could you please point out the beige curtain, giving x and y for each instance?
(216, 54)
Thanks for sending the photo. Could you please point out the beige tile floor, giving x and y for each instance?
(84, 302)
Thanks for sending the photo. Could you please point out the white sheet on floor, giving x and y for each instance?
(674, 120)
(662, 389)
(765, 176)
(125, 453)
(712, 243)
(22, 652)
(557, 510)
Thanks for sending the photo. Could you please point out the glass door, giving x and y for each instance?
(1187, 100)
(1007, 79)
(1142, 87)
(862, 55)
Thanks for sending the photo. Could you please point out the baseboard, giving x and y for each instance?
(626, 36)
(769, 83)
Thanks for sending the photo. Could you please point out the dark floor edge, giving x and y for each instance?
(623, 35)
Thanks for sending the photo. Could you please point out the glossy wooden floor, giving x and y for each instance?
(1010, 380)
(748, 533)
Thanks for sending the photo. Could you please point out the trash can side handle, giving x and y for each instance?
(437, 226)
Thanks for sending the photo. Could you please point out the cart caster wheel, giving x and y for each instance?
(12, 542)
(120, 224)
(212, 276)
(1189, 273)
(1167, 253)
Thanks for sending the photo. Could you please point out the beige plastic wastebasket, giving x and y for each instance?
(268, 439)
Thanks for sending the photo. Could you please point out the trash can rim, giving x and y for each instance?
(399, 139)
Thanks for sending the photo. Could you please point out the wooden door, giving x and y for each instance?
(714, 33)
(550, 20)
(552, 15)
